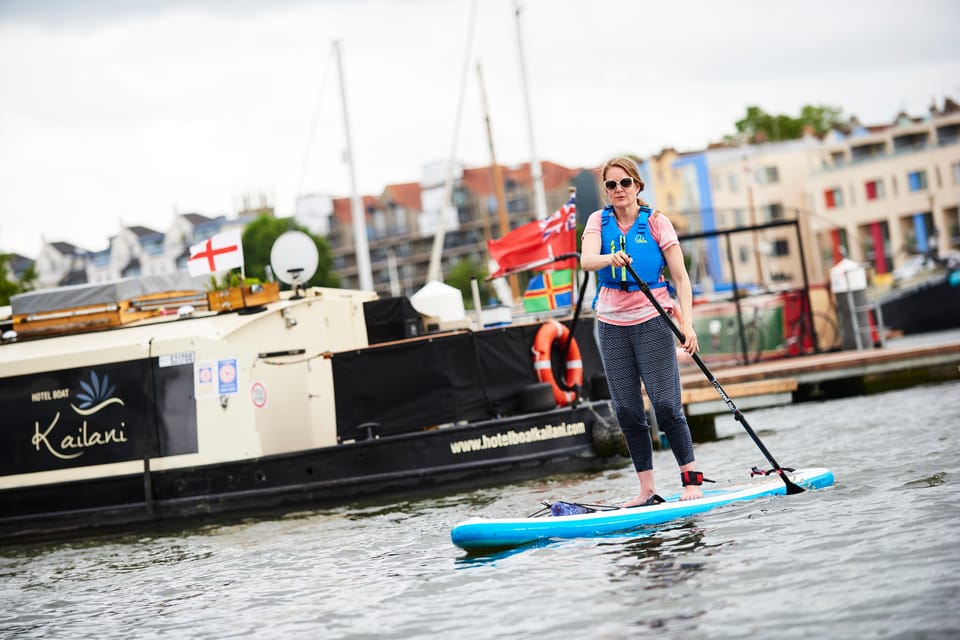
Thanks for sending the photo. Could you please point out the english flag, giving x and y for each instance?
(221, 252)
(538, 241)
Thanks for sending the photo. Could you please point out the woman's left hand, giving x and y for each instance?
(690, 344)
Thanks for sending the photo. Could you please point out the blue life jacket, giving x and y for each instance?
(639, 244)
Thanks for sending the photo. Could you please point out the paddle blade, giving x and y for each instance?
(792, 487)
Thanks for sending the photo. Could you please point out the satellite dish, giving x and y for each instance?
(294, 259)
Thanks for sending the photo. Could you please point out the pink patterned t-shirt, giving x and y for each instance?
(632, 307)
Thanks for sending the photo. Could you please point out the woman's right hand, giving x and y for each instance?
(620, 259)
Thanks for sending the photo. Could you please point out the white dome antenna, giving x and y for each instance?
(294, 259)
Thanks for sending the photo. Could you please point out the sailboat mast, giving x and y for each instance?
(359, 217)
(536, 171)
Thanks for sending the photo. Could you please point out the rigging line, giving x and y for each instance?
(313, 123)
(463, 78)
(433, 272)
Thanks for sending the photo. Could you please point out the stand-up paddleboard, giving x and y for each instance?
(500, 533)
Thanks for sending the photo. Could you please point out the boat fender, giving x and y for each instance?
(537, 397)
(608, 440)
(548, 334)
(599, 389)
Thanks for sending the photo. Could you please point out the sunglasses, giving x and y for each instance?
(626, 183)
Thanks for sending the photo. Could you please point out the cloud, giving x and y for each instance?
(125, 112)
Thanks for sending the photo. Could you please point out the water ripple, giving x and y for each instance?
(873, 556)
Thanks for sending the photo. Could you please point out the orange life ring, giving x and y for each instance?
(547, 335)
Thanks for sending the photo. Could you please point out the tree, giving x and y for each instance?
(759, 126)
(9, 288)
(460, 276)
(258, 239)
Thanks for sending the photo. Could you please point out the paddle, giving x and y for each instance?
(791, 487)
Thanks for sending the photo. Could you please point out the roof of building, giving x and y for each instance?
(479, 180)
(405, 194)
(66, 248)
(143, 232)
(196, 218)
(343, 207)
(77, 276)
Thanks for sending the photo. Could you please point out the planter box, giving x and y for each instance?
(245, 296)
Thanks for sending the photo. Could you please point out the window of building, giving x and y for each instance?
(768, 175)
(379, 221)
(744, 254)
(955, 170)
(491, 205)
(911, 142)
(875, 190)
(833, 197)
(867, 152)
(738, 220)
(917, 180)
(733, 181)
(949, 134)
(781, 247)
(773, 211)
(517, 203)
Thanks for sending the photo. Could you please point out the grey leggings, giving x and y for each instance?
(647, 352)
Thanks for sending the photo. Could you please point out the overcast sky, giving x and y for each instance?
(122, 112)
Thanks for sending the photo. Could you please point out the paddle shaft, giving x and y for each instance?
(737, 414)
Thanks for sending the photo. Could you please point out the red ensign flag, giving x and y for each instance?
(538, 241)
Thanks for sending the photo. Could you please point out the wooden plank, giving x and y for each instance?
(707, 394)
(740, 390)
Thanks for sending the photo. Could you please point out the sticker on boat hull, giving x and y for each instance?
(227, 376)
(258, 393)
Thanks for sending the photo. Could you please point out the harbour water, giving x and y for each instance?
(875, 556)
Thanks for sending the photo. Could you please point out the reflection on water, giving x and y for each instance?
(657, 555)
(787, 566)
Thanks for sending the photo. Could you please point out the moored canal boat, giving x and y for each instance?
(148, 401)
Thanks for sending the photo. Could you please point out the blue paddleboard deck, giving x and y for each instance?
(498, 533)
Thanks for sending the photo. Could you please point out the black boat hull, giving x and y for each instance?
(933, 305)
(433, 461)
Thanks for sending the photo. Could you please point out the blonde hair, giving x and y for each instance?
(630, 168)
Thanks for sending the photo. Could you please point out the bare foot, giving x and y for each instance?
(691, 492)
(640, 499)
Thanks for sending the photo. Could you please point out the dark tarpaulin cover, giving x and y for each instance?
(389, 319)
(444, 378)
(88, 294)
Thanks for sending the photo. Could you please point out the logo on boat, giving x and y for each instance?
(97, 414)
(95, 395)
